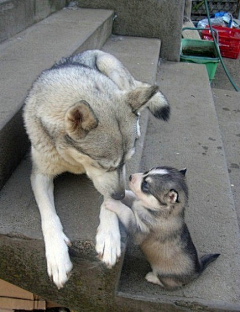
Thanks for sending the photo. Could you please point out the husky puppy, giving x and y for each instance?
(156, 223)
(82, 116)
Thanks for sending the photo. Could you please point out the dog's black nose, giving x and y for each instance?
(118, 195)
(130, 178)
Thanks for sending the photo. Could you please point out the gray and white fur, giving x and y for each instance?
(153, 214)
(82, 116)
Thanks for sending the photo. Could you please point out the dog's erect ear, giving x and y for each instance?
(79, 120)
(172, 196)
(183, 171)
(140, 96)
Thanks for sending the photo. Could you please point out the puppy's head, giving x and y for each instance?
(161, 188)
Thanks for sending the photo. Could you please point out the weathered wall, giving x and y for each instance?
(146, 18)
(16, 15)
(143, 18)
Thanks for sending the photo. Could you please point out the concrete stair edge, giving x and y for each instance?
(227, 109)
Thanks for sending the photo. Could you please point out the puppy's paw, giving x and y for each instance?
(58, 261)
(108, 246)
(151, 278)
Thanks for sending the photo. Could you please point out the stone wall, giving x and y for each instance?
(146, 18)
(17, 15)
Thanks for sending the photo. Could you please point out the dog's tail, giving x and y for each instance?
(159, 106)
(207, 259)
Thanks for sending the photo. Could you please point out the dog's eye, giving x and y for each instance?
(111, 169)
(145, 186)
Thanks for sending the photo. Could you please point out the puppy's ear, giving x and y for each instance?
(183, 171)
(79, 120)
(172, 196)
(138, 97)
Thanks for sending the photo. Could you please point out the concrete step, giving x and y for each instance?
(22, 261)
(17, 15)
(227, 105)
(191, 139)
(24, 56)
(149, 18)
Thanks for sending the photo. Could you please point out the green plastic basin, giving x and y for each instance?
(200, 52)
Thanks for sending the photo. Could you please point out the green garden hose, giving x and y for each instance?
(217, 48)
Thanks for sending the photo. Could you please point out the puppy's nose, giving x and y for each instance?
(130, 178)
(118, 195)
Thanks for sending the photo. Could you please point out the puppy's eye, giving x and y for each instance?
(145, 186)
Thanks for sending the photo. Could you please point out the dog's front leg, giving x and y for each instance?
(58, 261)
(108, 239)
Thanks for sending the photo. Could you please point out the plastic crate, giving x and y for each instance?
(229, 40)
(200, 52)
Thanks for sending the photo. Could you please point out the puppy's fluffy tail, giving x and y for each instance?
(207, 259)
(159, 106)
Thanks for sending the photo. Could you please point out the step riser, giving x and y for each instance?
(227, 108)
(149, 18)
(98, 38)
(90, 288)
(17, 15)
(13, 146)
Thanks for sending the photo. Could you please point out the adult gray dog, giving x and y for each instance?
(82, 116)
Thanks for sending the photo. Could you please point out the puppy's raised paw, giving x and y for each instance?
(112, 204)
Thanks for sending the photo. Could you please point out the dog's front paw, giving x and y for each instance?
(58, 261)
(108, 246)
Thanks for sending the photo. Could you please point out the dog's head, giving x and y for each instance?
(161, 189)
(106, 134)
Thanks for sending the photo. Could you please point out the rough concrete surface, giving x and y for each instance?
(160, 19)
(192, 139)
(17, 15)
(139, 54)
(221, 80)
(227, 105)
